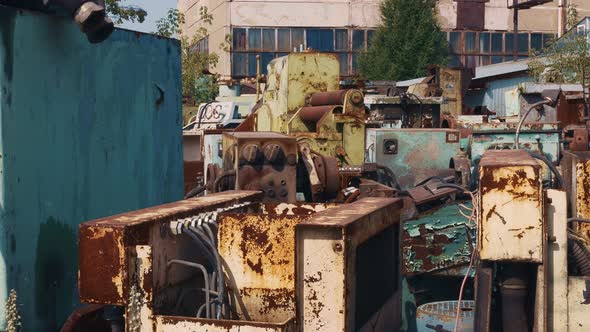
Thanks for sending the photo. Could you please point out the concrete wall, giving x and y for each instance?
(345, 13)
(86, 131)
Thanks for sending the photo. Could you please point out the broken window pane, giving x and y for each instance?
(239, 39)
(470, 45)
(254, 39)
(284, 40)
(497, 42)
(297, 39)
(358, 40)
(341, 40)
(268, 39)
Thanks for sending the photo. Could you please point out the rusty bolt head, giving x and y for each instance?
(284, 193)
(250, 152)
(272, 152)
(337, 247)
(271, 193)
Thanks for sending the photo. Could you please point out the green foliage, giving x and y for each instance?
(170, 25)
(572, 16)
(120, 13)
(406, 42)
(564, 61)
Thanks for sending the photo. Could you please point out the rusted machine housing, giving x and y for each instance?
(302, 99)
(264, 161)
(510, 222)
(348, 268)
(280, 260)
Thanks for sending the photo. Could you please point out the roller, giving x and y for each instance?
(315, 113)
(335, 97)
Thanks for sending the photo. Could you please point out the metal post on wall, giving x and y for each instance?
(515, 41)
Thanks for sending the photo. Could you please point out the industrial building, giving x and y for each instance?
(479, 32)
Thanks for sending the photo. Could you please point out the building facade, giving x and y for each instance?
(480, 32)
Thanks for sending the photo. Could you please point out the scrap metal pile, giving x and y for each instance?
(317, 213)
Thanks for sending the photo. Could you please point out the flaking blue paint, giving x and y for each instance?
(81, 137)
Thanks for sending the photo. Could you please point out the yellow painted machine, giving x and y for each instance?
(302, 99)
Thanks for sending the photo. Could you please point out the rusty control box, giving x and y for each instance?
(348, 268)
(264, 161)
(510, 222)
(228, 261)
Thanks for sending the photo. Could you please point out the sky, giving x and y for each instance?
(156, 9)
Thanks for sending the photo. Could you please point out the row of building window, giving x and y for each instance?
(271, 43)
(467, 48)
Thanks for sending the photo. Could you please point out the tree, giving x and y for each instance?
(195, 54)
(566, 60)
(407, 40)
(120, 14)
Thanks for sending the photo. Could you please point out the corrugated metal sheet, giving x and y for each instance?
(494, 97)
(87, 131)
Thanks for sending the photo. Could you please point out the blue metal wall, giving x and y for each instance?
(86, 131)
(494, 95)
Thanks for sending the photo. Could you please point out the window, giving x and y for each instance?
(509, 42)
(548, 38)
(320, 39)
(270, 43)
(470, 44)
(341, 40)
(536, 41)
(239, 64)
(254, 39)
(284, 40)
(239, 39)
(268, 39)
(343, 59)
(358, 40)
(355, 60)
(523, 43)
(455, 42)
(497, 59)
(497, 42)
(370, 35)
(484, 42)
(297, 39)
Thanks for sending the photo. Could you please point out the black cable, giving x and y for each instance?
(451, 185)
(551, 167)
(423, 182)
(580, 254)
(195, 192)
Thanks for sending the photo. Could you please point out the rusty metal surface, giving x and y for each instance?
(510, 219)
(340, 285)
(184, 324)
(328, 98)
(103, 256)
(193, 170)
(576, 172)
(244, 154)
(315, 113)
(436, 240)
(259, 251)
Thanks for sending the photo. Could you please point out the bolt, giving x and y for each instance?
(337, 247)
(552, 238)
(270, 193)
(250, 152)
(283, 182)
(284, 193)
(272, 152)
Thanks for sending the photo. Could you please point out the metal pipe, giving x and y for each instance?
(205, 276)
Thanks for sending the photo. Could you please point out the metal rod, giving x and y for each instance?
(257, 76)
(205, 276)
(521, 122)
(515, 41)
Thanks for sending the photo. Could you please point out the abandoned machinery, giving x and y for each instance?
(310, 217)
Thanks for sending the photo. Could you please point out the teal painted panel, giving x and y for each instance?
(86, 131)
(420, 153)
